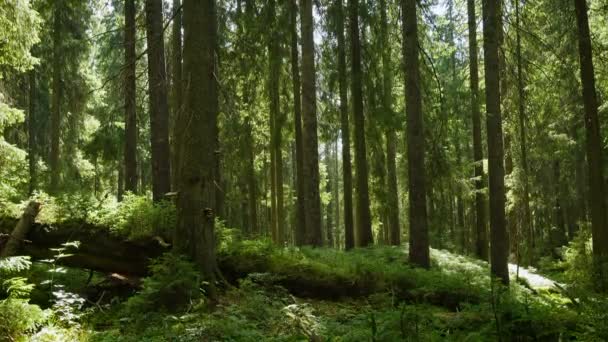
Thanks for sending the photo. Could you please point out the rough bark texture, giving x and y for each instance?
(32, 151)
(177, 86)
(481, 237)
(364, 235)
(347, 174)
(130, 152)
(276, 125)
(252, 185)
(526, 217)
(195, 233)
(56, 100)
(309, 132)
(597, 195)
(499, 239)
(159, 108)
(300, 233)
(419, 234)
(391, 135)
(21, 230)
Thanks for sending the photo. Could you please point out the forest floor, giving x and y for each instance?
(323, 294)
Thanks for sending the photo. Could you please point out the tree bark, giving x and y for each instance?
(274, 62)
(300, 233)
(391, 135)
(21, 229)
(481, 238)
(419, 234)
(499, 238)
(364, 236)
(597, 195)
(525, 220)
(159, 108)
(130, 149)
(347, 175)
(32, 151)
(56, 100)
(195, 233)
(177, 86)
(309, 132)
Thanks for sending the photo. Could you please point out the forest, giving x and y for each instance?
(284, 170)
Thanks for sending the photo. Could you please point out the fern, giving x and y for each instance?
(15, 264)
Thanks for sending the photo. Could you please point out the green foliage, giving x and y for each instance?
(19, 28)
(18, 317)
(137, 216)
(578, 262)
(173, 284)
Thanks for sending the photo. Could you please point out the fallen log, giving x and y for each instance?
(97, 249)
(25, 223)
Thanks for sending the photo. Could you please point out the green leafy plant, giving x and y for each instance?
(173, 284)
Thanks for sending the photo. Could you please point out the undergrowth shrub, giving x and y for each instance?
(17, 316)
(137, 216)
(174, 283)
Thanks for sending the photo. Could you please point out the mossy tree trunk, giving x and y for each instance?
(195, 233)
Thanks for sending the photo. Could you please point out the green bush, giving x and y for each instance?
(174, 283)
(137, 216)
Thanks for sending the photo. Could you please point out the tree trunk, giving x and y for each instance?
(347, 175)
(499, 238)
(391, 136)
(481, 237)
(252, 185)
(274, 62)
(159, 108)
(130, 152)
(419, 234)
(309, 132)
(364, 235)
(599, 219)
(177, 86)
(525, 220)
(56, 100)
(195, 235)
(393, 195)
(32, 151)
(300, 232)
(21, 229)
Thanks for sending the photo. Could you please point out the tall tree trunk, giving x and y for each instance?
(597, 196)
(177, 86)
(300, 233)
(56, 100)
(499, 239)
(525, 220)
(419, 233)
(195, 236)
(130, 152)
(274, 62)
(391, 136)
(393, 195)
(364, 235)
(347, 175)
(159, 108)
(32, 151)
(481, 237)
(309, 132)
(251, 179)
